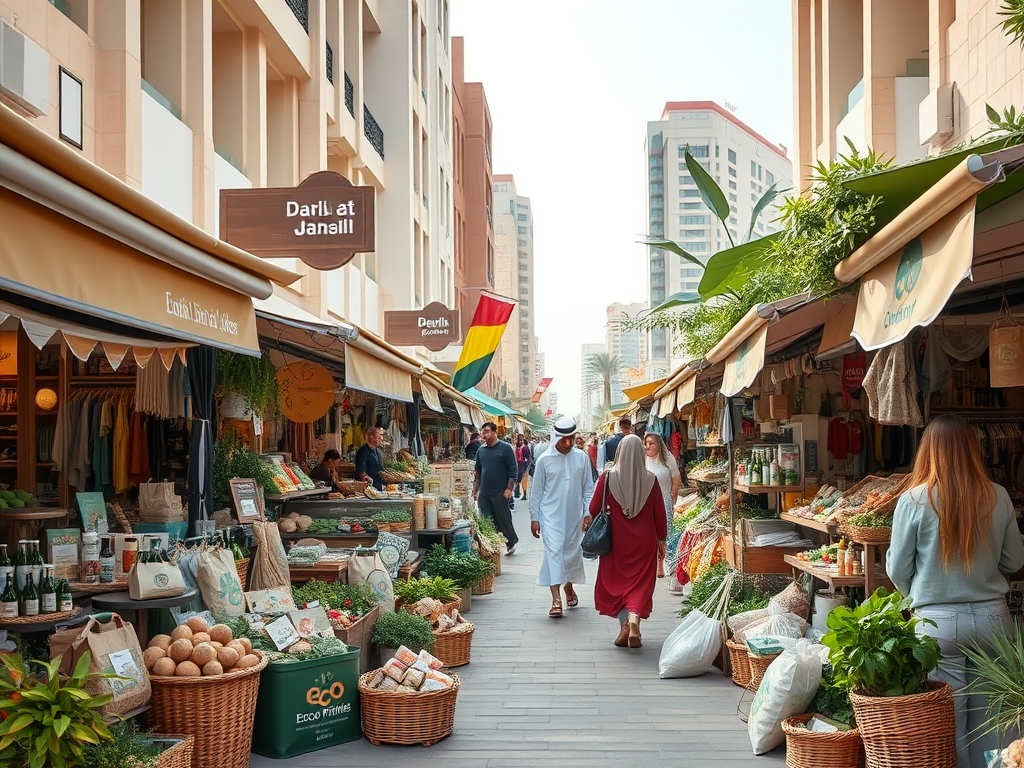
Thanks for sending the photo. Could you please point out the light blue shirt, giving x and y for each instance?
(914, 561)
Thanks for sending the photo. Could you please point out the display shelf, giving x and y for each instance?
(297, 536)
(814, 525)
(327, 571)
(711, 445)
(757, 489)
(834, 579)
(300, 495)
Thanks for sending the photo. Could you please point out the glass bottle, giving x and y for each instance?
(766, 470)
(774, 474)
(90, 557)
(30, 598)
(36, 563)
(106, 562)
(21, 566)
(48, 591)
(64, 599)
(6, 566)
(9, 599)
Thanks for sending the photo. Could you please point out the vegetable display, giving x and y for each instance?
(466, 569)
(356, 599)
(391, 516)
(196, 649)
(411, 590)
(402, 628)
(744, 596)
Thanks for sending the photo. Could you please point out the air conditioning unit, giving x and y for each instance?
(935, 115)
(24, 71)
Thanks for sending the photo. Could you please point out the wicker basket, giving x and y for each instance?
(242, 566)
(448, 608)
(496, 559)
(217, 711)
(453, 648)
(178, 756)
(758, 666)
(908, 731)
(42, 618)
(390, 717)
(485, 586)
(739, 660)
(867, 535)
(805, 749)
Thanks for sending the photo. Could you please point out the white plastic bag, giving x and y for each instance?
(694, 645)
(788, 686)
(780, 623)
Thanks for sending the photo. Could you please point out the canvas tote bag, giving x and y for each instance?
(369, 569)
(150, 581)
(159, 504)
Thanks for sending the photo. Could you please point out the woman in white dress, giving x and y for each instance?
(663, 466)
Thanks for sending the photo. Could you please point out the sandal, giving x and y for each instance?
(623, 639)
(634, 632)
(571, 598)
(556, 609)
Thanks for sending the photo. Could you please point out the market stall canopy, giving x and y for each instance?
(478, 417)
(431, 397)
(465, 414)
(489, 404)
(371, 374)
(686, 392)
(640, 391)
(282, 312)
(136, 264)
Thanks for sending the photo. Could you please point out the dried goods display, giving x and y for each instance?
(196, 649)
(408, 672)
(710, 471)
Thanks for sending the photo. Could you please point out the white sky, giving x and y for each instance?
(571, 85)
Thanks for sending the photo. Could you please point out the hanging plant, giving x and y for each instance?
(253, 379)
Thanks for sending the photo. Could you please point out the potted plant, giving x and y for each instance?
(50, 718)
(904, 719)
(999, 677)
(401, 628)
(246, 385)
(409, 591)
(133, 747)
(231, 459)
(466, 569)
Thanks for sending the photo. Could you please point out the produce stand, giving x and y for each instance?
(758, 559)
(868, 581)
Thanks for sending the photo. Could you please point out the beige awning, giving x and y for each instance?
(465, 414)
(478, 417)
(430, 397)
(667, 405)
(835, 336)
(687, 392)
(640, 391)
(370, 374)
(745, 362)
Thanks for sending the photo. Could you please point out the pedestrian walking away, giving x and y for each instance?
(493, 480)
(563, 485)
(663, 466)
(631, 497)
(607, 450)
(523, 459)
(472, 446)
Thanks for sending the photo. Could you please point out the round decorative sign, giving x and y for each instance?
(307, 391)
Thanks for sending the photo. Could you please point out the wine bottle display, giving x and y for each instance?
(9, 599)
(30, 598)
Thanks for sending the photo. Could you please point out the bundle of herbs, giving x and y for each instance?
(356, 599)
(745, 595)
(466, 569)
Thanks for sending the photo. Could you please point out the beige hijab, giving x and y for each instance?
(629, 481)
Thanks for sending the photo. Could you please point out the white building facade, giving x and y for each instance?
(630, 345)
(744, 164)
(591, 394)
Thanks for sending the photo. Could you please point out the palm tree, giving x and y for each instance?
(606, 367)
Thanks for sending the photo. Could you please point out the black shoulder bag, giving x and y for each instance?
(597, 540)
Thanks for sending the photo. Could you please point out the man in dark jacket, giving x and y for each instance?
(472, 446)
(612, 443)
(493, 481)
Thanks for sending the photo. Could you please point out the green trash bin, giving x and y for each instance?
(308, 705)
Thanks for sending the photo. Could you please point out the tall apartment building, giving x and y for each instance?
(905, 79)
(629, 345)
(744, 164)
(513, 277)
(591, 386)
(181, 99)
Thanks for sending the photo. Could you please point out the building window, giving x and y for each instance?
(655, 161)
(690, 272)
(732, 198)
(522, 217)
(657, 186)
(522, 230)
(698, 151)
(657, 263)
(732, 184)
(690, 206)
(657, 295)
(693, 219)
(693, 233)
(697, 247)
(689, 193)
(734, 221)
(523, 279)
(716, 152)
(657, 201)
(732, 172)
(769, 178)
(657, 279)
(686, 179)
(522, 243)
(755, 170)
(753, 197)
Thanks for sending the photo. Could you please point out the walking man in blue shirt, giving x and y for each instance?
(493, 480)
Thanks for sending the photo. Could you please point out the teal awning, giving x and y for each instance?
(489, 405)
(902, 185)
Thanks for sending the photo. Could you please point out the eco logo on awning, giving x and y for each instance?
(907, 275)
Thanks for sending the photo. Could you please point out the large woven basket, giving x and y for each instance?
(448, 608)
(758, 666)
(390, 717)
(867, 535)
(485, 586)
(908, 731)
(178, 756)
(739, 660)
(453, 648)
(217, 711)
(496, 559)
(806, 749)
(242, 566)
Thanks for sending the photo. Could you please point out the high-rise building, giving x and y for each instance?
(629, 345)
(591, 387)
(513, 277)
(905, 79)
(744, 164)
(181, 100)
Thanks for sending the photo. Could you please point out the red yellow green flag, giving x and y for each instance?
(482, 339)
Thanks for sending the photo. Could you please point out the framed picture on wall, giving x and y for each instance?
(248, 501)
(70, 109)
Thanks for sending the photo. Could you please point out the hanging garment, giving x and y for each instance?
(138, 450)
(935, 367)
(121, 473)
(891, 386)
(839, 439)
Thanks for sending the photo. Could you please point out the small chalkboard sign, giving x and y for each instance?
(810, 457)
(93, 509)
(247, 499)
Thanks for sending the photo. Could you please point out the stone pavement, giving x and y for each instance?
(556, 692)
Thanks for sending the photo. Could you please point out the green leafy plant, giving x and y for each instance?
(999, 669)
(355, 598)
(254, 379)
(50, 717)
(391, 516)
(1013, 23)
(745, 595)
(1009, 121)
(402, 628)
(129, 747)
(231, 459)
(411, 590)
(485, 527)
(466, 569)
(832, 700)
(875, 649)
(871, 520)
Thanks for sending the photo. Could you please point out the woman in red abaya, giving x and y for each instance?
(627, 574)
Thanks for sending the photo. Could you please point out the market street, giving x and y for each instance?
(556, 692)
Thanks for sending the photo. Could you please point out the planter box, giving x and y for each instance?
(359, 634)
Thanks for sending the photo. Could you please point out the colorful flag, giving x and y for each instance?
(547, 414)
(541, 389)
(482, 339)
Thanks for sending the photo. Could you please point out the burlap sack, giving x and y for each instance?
(102, 640)
(219, 584)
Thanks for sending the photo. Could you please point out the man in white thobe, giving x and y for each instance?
(563, 484)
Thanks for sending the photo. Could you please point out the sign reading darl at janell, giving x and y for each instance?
(325, 221)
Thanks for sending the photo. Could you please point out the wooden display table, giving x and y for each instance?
(833, 579)
(26, 523)
(758, 559)
(122, 601)
(329, 571)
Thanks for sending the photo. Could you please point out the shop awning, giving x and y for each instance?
(640, 391)
(282, 312)
(686, 392)
(667, 405)
(489, 404)
(370, 374)
(745, 361)
(430, 397)
(478, 417)
(465, 414)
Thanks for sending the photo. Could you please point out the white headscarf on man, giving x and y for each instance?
(629, 481)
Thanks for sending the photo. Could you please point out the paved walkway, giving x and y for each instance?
(546, 692)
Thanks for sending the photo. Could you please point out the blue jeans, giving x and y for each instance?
(961, 624)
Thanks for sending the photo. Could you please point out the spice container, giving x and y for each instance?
(90, 557)
(129, 553)
(430, 510)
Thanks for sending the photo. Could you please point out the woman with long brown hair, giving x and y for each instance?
(662, 464)
(954, 535)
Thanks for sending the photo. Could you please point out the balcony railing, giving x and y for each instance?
(373, 131)
(350, 91)
(300, 8)
(330, 64)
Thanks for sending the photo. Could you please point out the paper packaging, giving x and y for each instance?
(62, 550)
(282, 632)
(144, 545)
